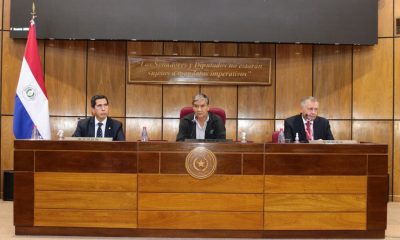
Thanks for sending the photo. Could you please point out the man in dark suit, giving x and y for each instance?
(201, 124)
(307, 124)
(100, 125)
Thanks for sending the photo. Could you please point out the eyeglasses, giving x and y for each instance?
(100, 106)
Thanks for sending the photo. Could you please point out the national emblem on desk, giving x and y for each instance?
(201, 163)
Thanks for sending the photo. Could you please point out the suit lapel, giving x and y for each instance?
(91, 127)
(316, 129)
(192, 125)
(300, 125)
(108, 132)
(193, 130)
(209, 130)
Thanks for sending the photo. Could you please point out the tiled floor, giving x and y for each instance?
(7, 227)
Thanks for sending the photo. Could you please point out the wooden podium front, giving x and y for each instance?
(143, 189)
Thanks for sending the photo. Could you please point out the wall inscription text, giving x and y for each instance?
(199, 70)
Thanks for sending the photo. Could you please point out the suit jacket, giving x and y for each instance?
(86, 128)
(295, 124)
(187, 128)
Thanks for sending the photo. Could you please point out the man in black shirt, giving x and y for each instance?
(201, 124)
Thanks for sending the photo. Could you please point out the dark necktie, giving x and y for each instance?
(308, 130)
(99, 132)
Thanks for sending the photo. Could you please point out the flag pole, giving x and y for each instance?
(33, 13)
(31, 102)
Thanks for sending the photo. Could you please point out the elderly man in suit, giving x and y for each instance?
(307, 124)
(100, 125)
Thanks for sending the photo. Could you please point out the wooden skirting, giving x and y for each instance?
(203, 233)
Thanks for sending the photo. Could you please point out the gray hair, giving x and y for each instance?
(200, 96)
(306, 99)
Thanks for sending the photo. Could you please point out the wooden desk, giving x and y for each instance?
(143, 189)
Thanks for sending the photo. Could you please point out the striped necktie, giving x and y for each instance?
(308, 130)
(99, 132)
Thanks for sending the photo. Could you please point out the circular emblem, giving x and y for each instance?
(29, 93)
(201, 163)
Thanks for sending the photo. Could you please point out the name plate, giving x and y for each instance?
(334, 141)
(107, 139)
(199, 70)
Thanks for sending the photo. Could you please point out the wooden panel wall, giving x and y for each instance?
(396, 11)
(329, 59)
(373, 81)
(106, 73)
(293, 77)
(358, 86)
(396, 165)
(397, 77)
(396, 137)
(65, 77)
(1, 14)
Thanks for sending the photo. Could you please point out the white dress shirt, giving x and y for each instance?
(201, 131)
(96, 126)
